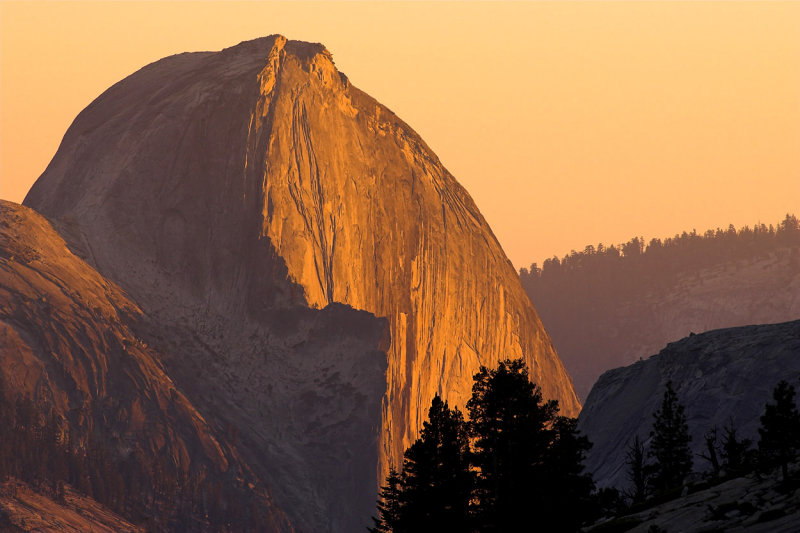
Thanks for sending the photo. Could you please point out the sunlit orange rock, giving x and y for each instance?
(221, 189)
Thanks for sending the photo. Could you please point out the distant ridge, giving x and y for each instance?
(608, 306)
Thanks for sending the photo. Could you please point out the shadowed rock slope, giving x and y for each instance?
(751, 504)
(221, 188)
(721, 375)
(66, 343)
(24, 509)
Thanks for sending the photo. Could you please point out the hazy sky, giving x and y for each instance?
(569, 123)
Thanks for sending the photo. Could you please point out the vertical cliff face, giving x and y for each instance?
(220, 188)
(364, 213)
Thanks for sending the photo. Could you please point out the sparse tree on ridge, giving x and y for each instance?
(711, 451)
(780, 429)
(669, 446)
(736, 453)
(636, 461)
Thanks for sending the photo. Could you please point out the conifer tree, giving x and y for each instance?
(530, 461)
(669, 445)
(736, 452)
(437, 482)
(637, 469)
(569, 488)
(434, 490)
(388, 517)
(780, 429)
(509, 423)
(710, 454)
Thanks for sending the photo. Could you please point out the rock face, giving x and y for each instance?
(721, 375)
(300, 393)
(222, 188)
(23, 509)
(310, 384)
(66, 341)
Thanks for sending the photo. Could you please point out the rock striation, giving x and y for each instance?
(719, 376)
(228, 192)
(66, 341)
(24, 509)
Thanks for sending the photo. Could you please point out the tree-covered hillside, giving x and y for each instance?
(609, 305)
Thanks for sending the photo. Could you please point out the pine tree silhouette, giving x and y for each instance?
(434, 490)
(780, 429)
(388, 517)
(736, 453)
(669, 446)
(530, 461)
(636, 461)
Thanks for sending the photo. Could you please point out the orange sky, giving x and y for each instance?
(569, 123)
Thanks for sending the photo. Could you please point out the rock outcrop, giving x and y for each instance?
(66, 342)
(227, 192)
(755, 504)
(719, 376)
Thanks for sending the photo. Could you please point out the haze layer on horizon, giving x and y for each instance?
(568, 123)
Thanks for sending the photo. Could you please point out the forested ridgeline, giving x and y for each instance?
(660, 260)
(606, 306)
